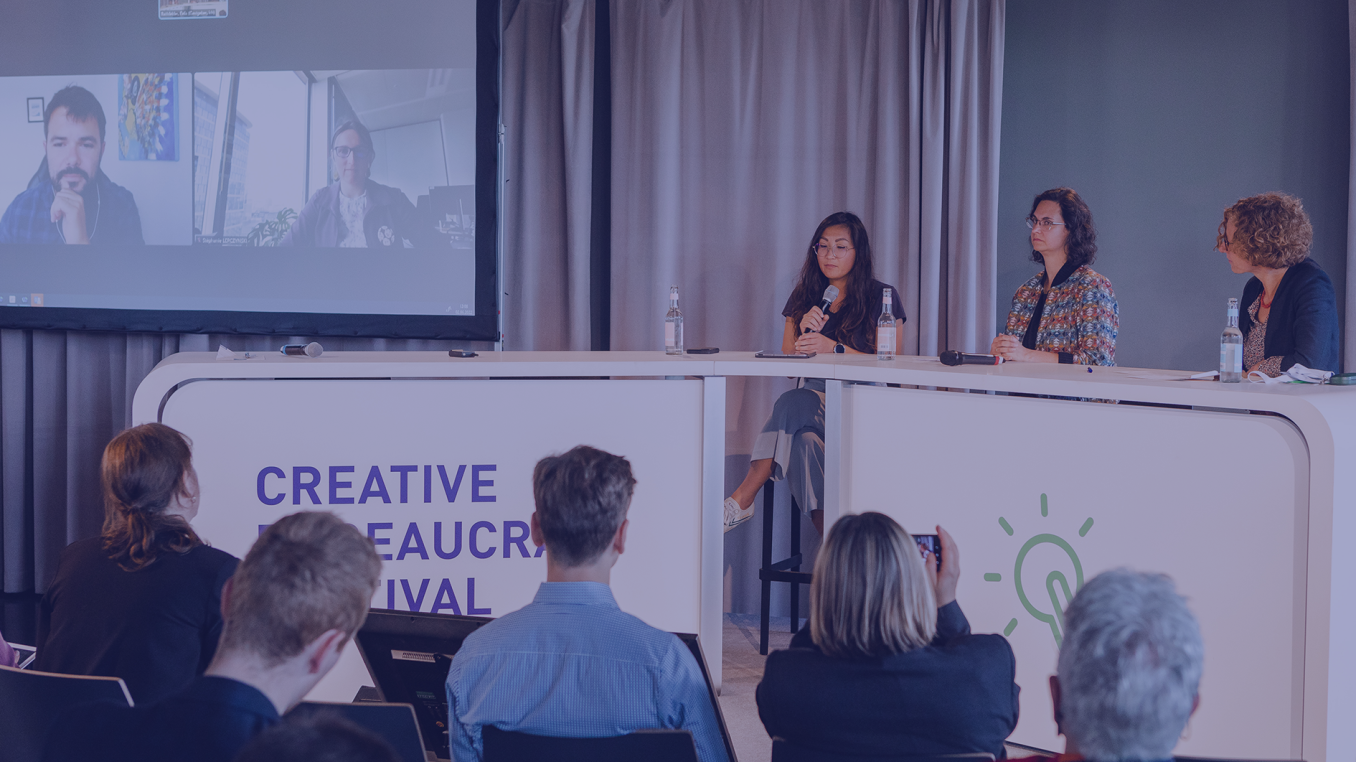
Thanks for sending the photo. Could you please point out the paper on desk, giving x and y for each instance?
(225, 354)
(1295, 374)
(1151, 375)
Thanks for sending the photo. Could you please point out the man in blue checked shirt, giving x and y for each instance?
(70, 199)
(571, 663)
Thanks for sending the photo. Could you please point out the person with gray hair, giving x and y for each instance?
(1129, 669)
(571, 663)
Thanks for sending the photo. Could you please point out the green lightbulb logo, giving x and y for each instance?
(1056, 582)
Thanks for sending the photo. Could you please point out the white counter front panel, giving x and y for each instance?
(465, 450)
(1217, 500)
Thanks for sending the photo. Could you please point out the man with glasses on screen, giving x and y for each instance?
(353, 211)
(70, 199)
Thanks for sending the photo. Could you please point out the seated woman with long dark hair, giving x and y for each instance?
(791, 445)
(887, 665)
(143, 600)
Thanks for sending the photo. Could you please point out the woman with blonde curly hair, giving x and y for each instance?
(1289, 313)
(887, 666)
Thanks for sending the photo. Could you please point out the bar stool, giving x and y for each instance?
(785, 570)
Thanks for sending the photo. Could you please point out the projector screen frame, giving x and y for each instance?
(484, 325)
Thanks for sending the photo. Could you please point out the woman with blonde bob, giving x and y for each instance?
(886, 665)
(142, 601)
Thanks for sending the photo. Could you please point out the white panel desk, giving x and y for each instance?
(1235, 491)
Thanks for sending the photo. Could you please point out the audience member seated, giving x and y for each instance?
(571, 663)
(1129, 669)
(299, 596)
(143, 600)
(886, 665)
(7, 656)
(317, 738)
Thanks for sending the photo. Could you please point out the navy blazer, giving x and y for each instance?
(956, 695)
(1302, 327)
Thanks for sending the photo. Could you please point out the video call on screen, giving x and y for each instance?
(331, 190)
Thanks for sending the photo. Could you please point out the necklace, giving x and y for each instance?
(1266, 305)
(98, 207)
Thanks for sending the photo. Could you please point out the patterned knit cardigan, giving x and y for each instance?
(1080, 317)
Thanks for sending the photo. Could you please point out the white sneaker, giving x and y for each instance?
(734, 515)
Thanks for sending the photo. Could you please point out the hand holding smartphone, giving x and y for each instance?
(930, 543)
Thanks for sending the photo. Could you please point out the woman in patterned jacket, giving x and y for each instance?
(1067, 312)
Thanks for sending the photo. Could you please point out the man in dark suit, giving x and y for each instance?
(292, 606)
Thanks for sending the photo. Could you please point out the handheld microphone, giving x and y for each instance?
(952, 357)
(302, 350)
(830, 294)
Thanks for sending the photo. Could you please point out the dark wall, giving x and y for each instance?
(1161, 113)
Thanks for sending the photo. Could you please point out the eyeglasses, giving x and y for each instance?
(832, 252)
(343, 152)
(1045, 224)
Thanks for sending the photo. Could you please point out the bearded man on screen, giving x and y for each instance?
(70, 199)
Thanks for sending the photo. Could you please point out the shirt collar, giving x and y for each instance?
(225, 690)
(576, 593)
(1063, 274)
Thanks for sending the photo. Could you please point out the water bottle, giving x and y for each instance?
(1231, 349)
(673, 325)
(885, 330)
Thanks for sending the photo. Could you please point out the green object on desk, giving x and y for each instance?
(1343, 379)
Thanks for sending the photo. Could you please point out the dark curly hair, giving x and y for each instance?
(1081, 244)
(858, 300)
(1272, 230)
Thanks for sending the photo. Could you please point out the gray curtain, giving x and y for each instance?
(738, 126)
(548, 119)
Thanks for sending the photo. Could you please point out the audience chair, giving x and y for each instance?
(785, 751)
(785, 570)
(649, 745)
(395, 723)
(30, 702)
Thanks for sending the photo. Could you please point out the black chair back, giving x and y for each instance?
(785, 751)
(649, 745)
(30, 701)
(393, 722)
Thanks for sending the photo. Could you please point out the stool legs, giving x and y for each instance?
(766, 599)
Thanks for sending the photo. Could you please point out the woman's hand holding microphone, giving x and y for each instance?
(810, 340)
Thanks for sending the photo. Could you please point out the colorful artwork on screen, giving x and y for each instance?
(148, 125)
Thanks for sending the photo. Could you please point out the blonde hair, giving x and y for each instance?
(307, 574)
(870, 595)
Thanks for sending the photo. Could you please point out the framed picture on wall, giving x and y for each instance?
(35, 108)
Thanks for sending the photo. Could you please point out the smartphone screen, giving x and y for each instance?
(932, 544)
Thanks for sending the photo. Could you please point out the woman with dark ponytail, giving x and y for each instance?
(143, 600)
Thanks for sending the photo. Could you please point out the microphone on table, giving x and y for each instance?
(952, 357)
(830, 294)
(302, 350)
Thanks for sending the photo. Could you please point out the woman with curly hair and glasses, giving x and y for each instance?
(1067, 312)
(1289, 311)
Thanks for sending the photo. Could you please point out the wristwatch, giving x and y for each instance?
(839, 349)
